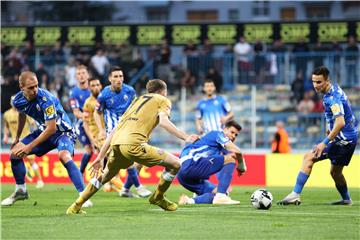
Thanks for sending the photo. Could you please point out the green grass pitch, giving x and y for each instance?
(43, 217)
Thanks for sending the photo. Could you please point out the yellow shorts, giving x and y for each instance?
(123, 156)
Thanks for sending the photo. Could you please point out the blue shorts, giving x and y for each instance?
(194, 175)
(81, 134)
(59, 140)
(339, 153)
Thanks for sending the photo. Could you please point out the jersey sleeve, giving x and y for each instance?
(336, 107)
(226, 105)
(100, 104)
(48, 107)
(221, 139)
(73, 101)
(165, 107)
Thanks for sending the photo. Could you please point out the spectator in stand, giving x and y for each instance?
(100, 63)
(192, 56)
(28, 54)
(9, 88)
(301, 50)
(336, 52)
(206, 55)
(307, 104)
(42, 76)
(279, 50)
(320, 52)
(297, 88)
(280, 143)
(259, 62)
(126, 53)
(58, 53)
(318, 104)
(352, 62)
(164, 69)
(242, 51)
(188, 81)
(70, 73)
(214, 75)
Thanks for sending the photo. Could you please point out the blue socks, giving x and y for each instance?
(18, 169)
(132, 178)
(225, 176)
(205, 198)
(75, 175)
(84, 161)
(343, 190)
(300, 182)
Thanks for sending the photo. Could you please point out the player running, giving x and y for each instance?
(215, 152)
(55, 131)
(78, 95)
(128, 143)
(338, 146)
(92, 130)
(113, 101)
(11, 118)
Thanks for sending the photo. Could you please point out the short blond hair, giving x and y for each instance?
(26, 75)
(155, 85)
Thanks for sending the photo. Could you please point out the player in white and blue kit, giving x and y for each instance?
(213, 111)
(78, 95)
(213, 153)
(338, 146)
(55, 131)
(113, 101)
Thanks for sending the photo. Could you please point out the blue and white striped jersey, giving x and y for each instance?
(337, 104)
(213, 143)
(114, 104)
(211, 111)
(43, 108)
(78, 97)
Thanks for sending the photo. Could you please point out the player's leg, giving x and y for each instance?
(85, 141)
(35, 168)
(133, 179)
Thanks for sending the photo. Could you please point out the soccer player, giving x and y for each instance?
(11, 118)
(78, 95)
(213, 111)
(338, 146)
(55, 131)
(92, 130)
(128, 142)
(213, 153)
(113, 101)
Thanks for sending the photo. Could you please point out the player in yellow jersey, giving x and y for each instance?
(10, 127)
(128, 142)
(91, 129)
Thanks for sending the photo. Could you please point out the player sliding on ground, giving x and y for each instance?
(128, 142)
(338, 146)
(213, 153)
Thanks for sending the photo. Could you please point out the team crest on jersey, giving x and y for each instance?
(126, 97)
(216, 102)
(335, 109)
(112, 101)
(44, 98)
(50, 110)
(38, 107)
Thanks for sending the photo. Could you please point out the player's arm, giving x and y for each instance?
(21, 124)
(165, 123)
(229, 114)
(50, 129)
(199, 125)
(97, 117)
(227, 117)
(78, 114)
(87, 128)
(241, 168)
(6, 132)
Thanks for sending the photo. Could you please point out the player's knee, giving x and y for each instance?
(308, 158)
(176, 166)
(335, 174)
(229, 159)
(64, 156)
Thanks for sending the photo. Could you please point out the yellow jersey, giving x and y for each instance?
(88, 113)
(11, 119)
(139, 120)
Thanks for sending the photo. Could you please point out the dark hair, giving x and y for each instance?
(233, 123)
(94, 79)
(155, 85)
(114, 69)
(321, 71)
(209, 80)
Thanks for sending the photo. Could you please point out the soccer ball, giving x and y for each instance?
(261, 199)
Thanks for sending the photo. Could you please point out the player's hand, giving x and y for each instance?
(223, 120)
(192, 138)
(241, 167)
(102, 134)
(318, 149)
(96, 167)
(14, 143)
(21, 150)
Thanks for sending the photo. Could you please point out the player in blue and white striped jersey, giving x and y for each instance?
(113, 101)
(55, 131)
(339, 144)
(213, 111)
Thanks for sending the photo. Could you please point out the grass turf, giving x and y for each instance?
(43, 217)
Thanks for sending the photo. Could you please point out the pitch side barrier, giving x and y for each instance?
(263, 170)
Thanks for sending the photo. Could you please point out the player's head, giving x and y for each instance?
(116, 78)
(95, 86)
(209, 87)
(82, 74)
(29, 84)
(232, 129)
(320, 79)
(280, 124)
(157, 86)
